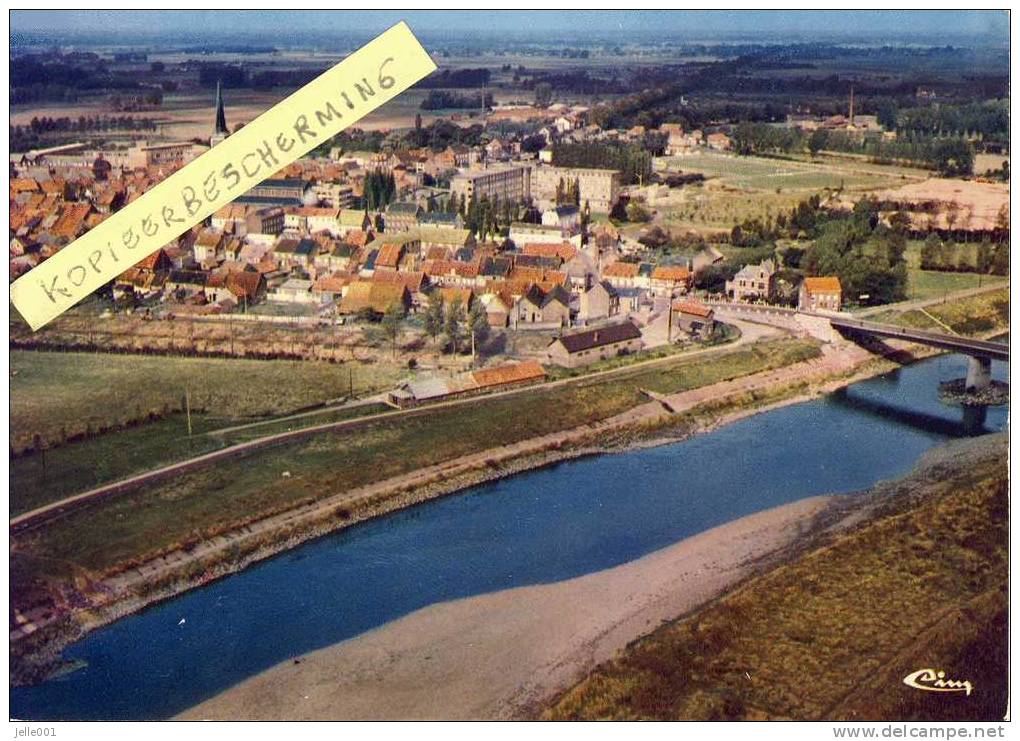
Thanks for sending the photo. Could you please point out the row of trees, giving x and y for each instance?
(985, 120)
(455, 325)
(380, 190)
(633, 162)
(47, 124)
(984, 257)
(951, 157)
(440, 99)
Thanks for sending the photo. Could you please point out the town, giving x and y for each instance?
(719, 281)
(514, 242)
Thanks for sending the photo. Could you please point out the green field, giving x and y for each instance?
(209, 500)
(62, 395)
(766, 173)
(925, 284)
(831, 635)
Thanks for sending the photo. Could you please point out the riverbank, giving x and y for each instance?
(504, 654)
(691, 412)
(921, 580)
(496, 655)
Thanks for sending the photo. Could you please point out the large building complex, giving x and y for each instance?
(504, 183)
(599, 188)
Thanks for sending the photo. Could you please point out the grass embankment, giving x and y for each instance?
(41, 478)
(202, 503)
(973, 315)
(831, 635)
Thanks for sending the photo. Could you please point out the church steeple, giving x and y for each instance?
(220, 130)
(221, 118)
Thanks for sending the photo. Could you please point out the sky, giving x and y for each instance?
(690, 24)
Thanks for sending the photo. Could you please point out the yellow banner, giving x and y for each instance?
(371, 76)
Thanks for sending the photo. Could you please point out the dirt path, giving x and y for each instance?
(834, 360)
(35, 517)
(994, 284)
(500, 655)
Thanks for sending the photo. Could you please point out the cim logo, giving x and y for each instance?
(931, 680)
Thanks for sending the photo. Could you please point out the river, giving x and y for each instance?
(541, 526)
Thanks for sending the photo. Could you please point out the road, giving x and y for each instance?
(27, 520)
(923, 303)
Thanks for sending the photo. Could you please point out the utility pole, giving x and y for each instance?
(187, 408)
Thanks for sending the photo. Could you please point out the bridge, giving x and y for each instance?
(981, 352)
(821, 324)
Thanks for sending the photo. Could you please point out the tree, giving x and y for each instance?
(888, 115)
(637, 212)
(953, 157)
(543, 95)
(391, 324)
(453, 325)
(434, 316)
(817, 141)
(478, 324)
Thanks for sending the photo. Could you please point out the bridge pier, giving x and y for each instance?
(979, 374)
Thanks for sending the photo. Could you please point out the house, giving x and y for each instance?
(295, 252)
(208, 248)
(231, 217)
(185, 283)
(413, 280)
(437, 388)
(545, 308)
(752, 282)
(451, 295)
(330, 288)
(443, 220)
(497, 309)
(667, 279)
(312, 219)
(349, 220)
(402, 217)
(264, 224)
(622, 274)
(567, 218)
(600, 301)
(576, 349)
(562, 252)
(441, 236)
(374, 296)
(718, 141)
(522, 233)
(341, 257)
(823, 293)
(692, 317)
(389, 256)
(247, 286)
(294, 291)
(149, 274)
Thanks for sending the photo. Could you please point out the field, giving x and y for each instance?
(766, 173)
(206, 501)
(985, 312)
(61, 395)
(831, 635)
(739, 188)
(925, 284)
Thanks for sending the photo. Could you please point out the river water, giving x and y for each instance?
(542, 526)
